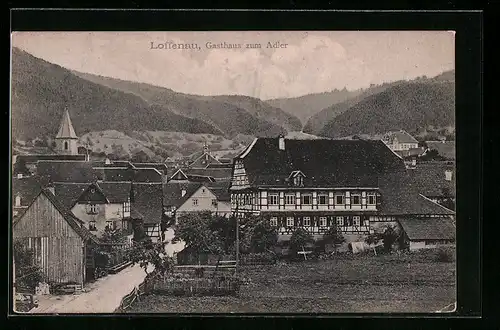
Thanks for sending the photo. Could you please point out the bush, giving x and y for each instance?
(444, 255)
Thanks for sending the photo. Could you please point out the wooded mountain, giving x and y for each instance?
(41, 90)
(411, 106)
(317, 123)
(306, 106)
(232, 114)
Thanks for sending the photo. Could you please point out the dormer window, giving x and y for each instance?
(297, 178)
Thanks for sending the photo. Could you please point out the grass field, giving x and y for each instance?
(382, 284)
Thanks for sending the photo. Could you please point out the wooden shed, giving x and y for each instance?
(60, 242)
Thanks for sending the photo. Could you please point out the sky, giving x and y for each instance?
(311, 61)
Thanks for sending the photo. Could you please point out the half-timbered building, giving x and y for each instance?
(361, 186)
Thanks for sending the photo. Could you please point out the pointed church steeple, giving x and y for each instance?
(66, 130)
(66, 138)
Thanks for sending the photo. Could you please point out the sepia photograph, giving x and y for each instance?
(233, 172)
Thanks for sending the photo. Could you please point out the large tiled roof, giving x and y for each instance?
(430, 180)
(445, 149)
(69, 193)
(27, 188)
(158, 166)
(116, 192)
(324, 162)
(221, 190)
(147, 175)
(401, 197)
(147, 199)
(216, 173)
(172, 192)
(428, 229)
(65, 171)
(55, 157)
(401, 136)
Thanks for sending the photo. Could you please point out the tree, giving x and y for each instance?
(389, 237)
(263, 237)
(226, 231)
(146, 253)
(194, 229)
(20, 167)
(299, 240)
(432, 154)
(140, 157)
(28, 274)
(334, 236)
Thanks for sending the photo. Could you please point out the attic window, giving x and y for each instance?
(92, 190)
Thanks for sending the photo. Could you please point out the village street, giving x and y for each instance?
(171, 248)
(104, 295)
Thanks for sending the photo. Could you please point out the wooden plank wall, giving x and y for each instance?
(58, 248)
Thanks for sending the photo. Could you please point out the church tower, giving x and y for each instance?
(66, 139)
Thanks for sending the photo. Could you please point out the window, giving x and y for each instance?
(92, 209)
(18, 200)
(126, 206)
(92, 226)
(306, 199)
(322, 199)
(322, 221)
(307, 221)
(340, 221)
(356, 221)
(366, 222)
(339, 199)
(110, 224)
(214, 202)
(273, 199)
(290, 199)
(356, 199)
(290, 222)
(273, 221)
(66, 145)
(298, 180)
(372, 200)
(195, 201)
(203, 190)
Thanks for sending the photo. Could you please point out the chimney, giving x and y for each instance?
(19, 175)
(281, 142)
(183, 192)
(448, 175)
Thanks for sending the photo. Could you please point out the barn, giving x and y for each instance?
(63, 247)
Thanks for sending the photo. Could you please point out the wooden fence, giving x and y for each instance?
(221, 286)
(139, 290)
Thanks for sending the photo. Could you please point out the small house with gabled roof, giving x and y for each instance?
(400, 141)
(63, 246)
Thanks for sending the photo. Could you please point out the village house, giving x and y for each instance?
(400, 141)
(62, 244)
(99, 205)
(186, 197)
(204, 158)
(361, 186)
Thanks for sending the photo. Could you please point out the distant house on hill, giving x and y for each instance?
(400, 141)
(63, 246)
(361, 186)
(201, 159)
